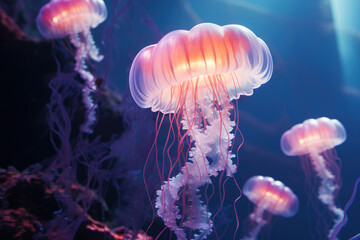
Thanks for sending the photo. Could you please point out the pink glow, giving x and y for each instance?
(313, 135)
(60, 18)
(193, 60)
(271, 195)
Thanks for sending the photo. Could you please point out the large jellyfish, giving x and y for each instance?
(313, 138)
(74, 18)
(193, 76)
(268, 195)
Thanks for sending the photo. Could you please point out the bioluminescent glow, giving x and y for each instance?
(75, 18)
(194, 75)
(268, 195)
(313, 138)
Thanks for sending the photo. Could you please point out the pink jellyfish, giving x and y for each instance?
(193, 76)
(74, 18)
(268, 195)
(313, 138)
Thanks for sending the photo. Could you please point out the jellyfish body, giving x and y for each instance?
(75, 18)
(268, 195)
(312, 138)
(185, 67)
(194, 75)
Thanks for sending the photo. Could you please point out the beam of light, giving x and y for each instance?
(248, 5)
(346, 19)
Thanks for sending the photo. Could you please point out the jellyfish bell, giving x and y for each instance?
(193, 76)
(314, 140)
(61, 18)
(313, 136)
(186, 67)
(75, 18)
(271, 196)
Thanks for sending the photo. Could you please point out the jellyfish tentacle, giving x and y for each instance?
(92, 50)
(84, 49)
(90, 106)
(327, 187)
(196, 216)
(165, 203)
(82, 52)
(198, 170)
(80, 56)
(257, 218)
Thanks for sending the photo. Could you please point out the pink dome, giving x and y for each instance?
(186, 66)
(271, 195)
(60, 18)
(313, 136)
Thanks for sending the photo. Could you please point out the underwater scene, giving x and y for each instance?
(181, 119)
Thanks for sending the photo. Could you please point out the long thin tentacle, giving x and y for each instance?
(341, 224)
(327, 188)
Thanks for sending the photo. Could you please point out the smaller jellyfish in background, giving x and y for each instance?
(74, 18)
(268, 195)
(313, 139)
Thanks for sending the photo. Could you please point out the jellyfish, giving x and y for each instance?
(313, 138)
(271, 196)
(193, 76)
(75, 18)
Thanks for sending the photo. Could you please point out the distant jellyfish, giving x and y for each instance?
(313, 138)
(193, 76)
(75, 18)
(271, 196)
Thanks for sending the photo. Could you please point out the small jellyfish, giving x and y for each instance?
(75, 18)
(314, 138)
(271, 196)
(193, 76)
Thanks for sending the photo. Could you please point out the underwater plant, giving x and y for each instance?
(312, 139)
(271, 196)
(75, 18)
(193, 76)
